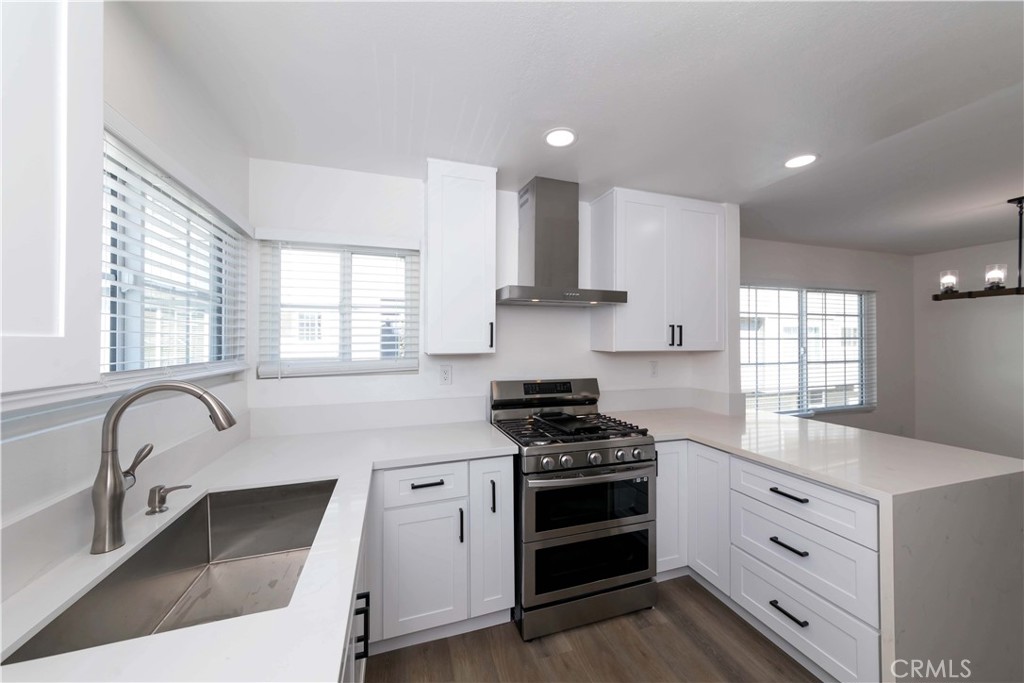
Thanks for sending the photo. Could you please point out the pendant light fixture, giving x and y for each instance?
(995, 275)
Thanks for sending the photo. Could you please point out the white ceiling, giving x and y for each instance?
(915, 109)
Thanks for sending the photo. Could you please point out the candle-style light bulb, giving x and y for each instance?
(948, 280)
(995, 276)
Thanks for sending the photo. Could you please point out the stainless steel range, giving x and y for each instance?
(585, 505)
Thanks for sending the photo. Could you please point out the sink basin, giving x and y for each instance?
(232, 553)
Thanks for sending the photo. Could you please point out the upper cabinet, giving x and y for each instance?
(460, 258)
(52, 189)
(668, 253)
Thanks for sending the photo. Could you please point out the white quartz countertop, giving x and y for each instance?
(868, 463)
(301, 642)
(305, 640)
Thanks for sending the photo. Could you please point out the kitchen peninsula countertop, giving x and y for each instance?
(305, 640)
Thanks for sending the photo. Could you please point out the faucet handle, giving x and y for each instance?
(158, 497)
(129, 474)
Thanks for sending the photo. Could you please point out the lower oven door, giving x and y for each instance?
(560, 503)
(578, 565)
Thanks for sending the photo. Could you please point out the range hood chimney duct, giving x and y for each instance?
(549, 246)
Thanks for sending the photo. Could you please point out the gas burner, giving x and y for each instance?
(540, 442)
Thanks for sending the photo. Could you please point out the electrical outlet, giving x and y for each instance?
(446, 374)
(654, 368)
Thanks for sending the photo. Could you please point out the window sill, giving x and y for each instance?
(834, 411)
(21, 404)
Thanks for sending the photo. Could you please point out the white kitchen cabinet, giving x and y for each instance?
(460, 258)
(491, 538)
(425, 566)
(52, 128)
(709, 514)
(672, 495)
(668, 253)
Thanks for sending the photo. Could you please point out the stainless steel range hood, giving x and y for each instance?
(549, 246)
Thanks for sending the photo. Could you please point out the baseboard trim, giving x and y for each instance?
(438, 632)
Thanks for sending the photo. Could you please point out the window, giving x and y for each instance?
(330, 310)
(173, 273)
(807, 350)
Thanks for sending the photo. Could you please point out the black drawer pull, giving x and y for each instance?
(364, 639)
(439, 482)
(776, 541)
(462, 526)
(491, 345)
(775, 489)
(798, 622)
(494, 496)
(672, 331)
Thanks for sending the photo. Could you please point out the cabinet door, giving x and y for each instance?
(425, 560)
(697, 284)
(52, 129)
(642, 225)
(491, 550)
(460, 258)
(672, 508)
(709, 514)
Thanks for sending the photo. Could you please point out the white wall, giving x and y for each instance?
(783, 264)
(969, 355)
(532, 342)
(153, 96)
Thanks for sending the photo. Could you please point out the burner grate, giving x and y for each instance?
(547, 428)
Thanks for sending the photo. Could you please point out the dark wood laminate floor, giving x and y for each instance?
(689, 636)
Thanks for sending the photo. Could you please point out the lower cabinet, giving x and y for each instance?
(425, 566)
(708, 538)
(445, 544)
(672, 495)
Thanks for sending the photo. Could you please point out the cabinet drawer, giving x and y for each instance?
(835, 641)
(412, 485)
(835, 568)
(840, 513)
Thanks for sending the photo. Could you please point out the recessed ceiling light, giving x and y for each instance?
(560, 137)
(802, 160)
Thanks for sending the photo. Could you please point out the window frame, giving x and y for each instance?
(867, 356)
(272, 366)
(227, 286)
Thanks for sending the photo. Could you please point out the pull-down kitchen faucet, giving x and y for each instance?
(111, 483)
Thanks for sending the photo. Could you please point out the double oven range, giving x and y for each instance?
(585, 505)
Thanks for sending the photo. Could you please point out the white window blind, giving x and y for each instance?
(804, 351)
(331, 310)
(173, 274)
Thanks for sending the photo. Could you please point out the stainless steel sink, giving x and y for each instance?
(230, 554)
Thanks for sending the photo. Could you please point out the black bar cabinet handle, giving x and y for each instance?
(672, 331)
(439, 482)
(775, 489)
(462, 519)
(798, 622)
(680, 335)
(492, 337)
(776, 541)
(364, 612)
(494, 496)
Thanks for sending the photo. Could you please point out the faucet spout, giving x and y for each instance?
(109, 488)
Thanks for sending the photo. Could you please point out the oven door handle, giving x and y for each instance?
(583, 481)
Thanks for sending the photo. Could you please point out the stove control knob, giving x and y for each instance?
(594, 458)
(566, 460)
(620, 455)
(637, 453)
(547, 462)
